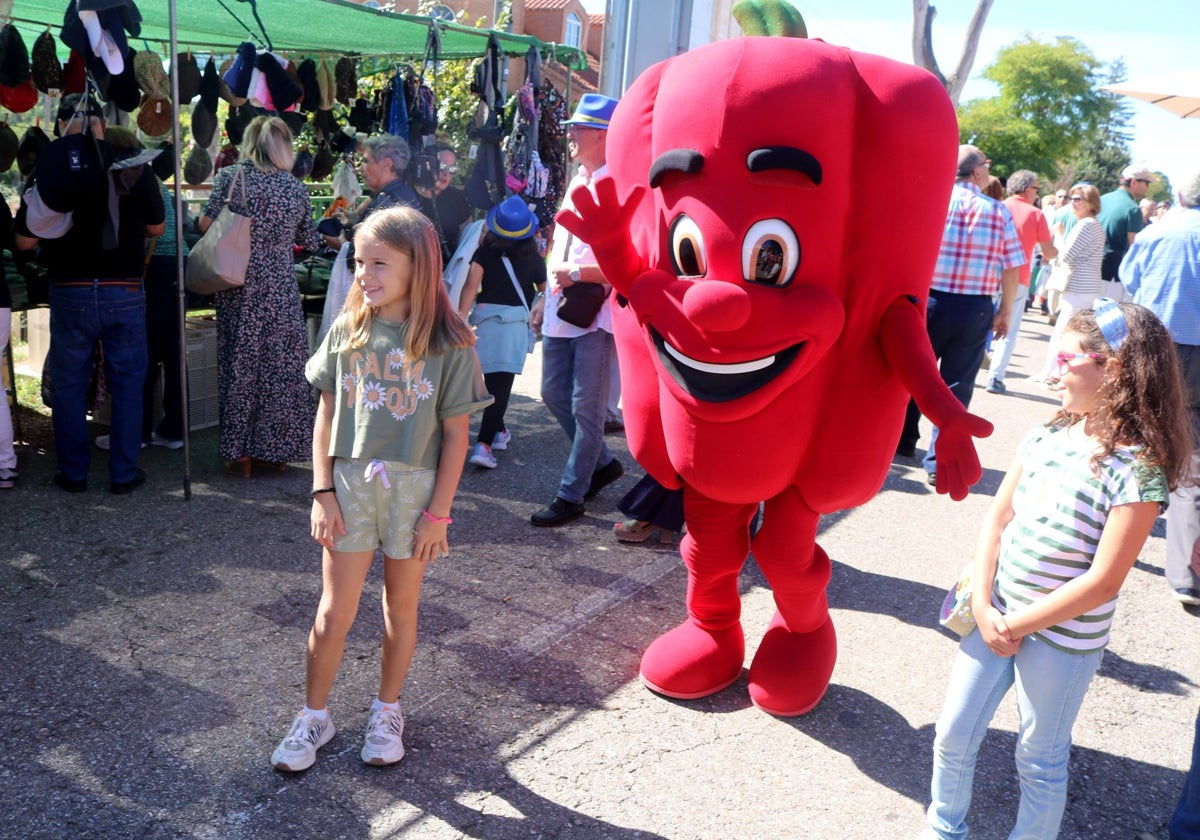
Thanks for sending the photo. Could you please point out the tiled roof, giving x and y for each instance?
(541, 5)
(596, 20)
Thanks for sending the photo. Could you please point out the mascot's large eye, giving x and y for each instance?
(687, 248)
(770, 253)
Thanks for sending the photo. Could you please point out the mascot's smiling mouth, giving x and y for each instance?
(712, 382)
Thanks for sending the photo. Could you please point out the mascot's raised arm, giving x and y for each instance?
(769, 316)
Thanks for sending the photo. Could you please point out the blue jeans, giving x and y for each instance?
(1002, 348)
(575, 380)
(1185, 822)
(958, 327)
(81, 316)
(1050, 688)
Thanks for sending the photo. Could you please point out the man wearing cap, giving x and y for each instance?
(95, 268)
(980, 255)
(577, 361)
(1161, 271)
(1034, 231)
(1122, 218)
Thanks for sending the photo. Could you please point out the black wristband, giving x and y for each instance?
(315, 493)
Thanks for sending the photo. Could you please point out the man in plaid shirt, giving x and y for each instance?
(980, 256)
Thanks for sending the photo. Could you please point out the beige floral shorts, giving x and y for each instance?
(381, 502)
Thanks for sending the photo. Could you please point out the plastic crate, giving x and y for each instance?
(200, 339)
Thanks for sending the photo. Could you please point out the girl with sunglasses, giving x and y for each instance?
(1066, 526)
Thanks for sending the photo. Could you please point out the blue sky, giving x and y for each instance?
(1155, 37)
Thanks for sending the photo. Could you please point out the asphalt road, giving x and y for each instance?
(151, 655)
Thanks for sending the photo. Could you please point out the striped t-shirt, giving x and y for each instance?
(1059, 510)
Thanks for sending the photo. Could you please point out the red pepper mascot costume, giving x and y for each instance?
(769, 315)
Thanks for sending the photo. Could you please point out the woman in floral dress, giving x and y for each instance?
(266, 403)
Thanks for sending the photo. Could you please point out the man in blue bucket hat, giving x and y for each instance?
(577, 360)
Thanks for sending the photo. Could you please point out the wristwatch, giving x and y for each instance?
(574, 275)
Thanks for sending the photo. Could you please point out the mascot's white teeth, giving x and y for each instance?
(709, 367)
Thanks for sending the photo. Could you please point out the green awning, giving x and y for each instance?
(297, 27)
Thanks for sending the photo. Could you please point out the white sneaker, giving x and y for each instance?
(8, 478)
(103, 442)
(298, 750)
(500, 441)
(158, 440)
(383, 744)
(483, 457)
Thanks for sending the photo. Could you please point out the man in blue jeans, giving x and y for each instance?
(577, 361)
(95, 269)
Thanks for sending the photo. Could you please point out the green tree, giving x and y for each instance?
(1105, 153)
(1048, 107)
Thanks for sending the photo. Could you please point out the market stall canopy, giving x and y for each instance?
(298, 26)
(1179, 93)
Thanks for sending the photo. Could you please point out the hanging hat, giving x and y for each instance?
(151, 78)
(44, 64)
(204, 124)
(307, 72)
(210, 86)
(284, 91)
(238, 74)
(295, 121)
(74, 76)
(21, 98)
(512, 219)
(123, 88)
(294, 74)
(302, 165)
(322, 166)
(131, 18)
(224, 91)
(198, 167)
(327, 85)
(236, 123)
(344, 141)
(325, 124)
(164, 164)
(361, 116)
(189, 78)
(345, 76)
(14, 58)
(155, 116)
(9, 145)
(32, 143)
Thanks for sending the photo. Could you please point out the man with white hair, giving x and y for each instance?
(1161, 271)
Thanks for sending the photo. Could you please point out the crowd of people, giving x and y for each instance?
(401, 369)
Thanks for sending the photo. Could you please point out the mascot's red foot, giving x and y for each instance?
(791, 671)
(690, 662)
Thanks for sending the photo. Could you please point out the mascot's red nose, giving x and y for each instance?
(716, 306)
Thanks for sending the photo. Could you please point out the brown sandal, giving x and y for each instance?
(635, 531)
(239, 467)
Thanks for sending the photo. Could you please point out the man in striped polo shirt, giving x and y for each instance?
(980, 255)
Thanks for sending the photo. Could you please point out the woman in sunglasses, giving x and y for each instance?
(1078, 271)
(1066, 526)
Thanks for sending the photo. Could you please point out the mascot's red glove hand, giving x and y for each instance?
(906, 345)
(603, 222)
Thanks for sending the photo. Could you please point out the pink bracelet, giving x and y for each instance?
(441, 520)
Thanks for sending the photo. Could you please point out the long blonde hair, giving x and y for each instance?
(434, 324)
(267, 144)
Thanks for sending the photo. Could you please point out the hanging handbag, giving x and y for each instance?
(579, 303)
(218, 261)
(532, 338)
(956, 614)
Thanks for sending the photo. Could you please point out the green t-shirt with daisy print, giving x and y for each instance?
(390, 407)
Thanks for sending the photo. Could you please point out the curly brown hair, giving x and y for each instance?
(1144, 405)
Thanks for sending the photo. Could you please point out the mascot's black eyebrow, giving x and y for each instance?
(785, 157)
(687, 161)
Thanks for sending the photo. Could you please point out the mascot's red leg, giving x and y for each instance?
(705, 653)
(795, 659)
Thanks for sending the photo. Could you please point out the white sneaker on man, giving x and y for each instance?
(167, 443)
(383, 743)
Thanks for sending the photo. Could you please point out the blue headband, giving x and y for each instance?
(1111, 322)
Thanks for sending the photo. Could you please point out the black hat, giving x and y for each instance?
(307, 71)
(189, 78)
(361, 116)
(44, 64)
(210, 87)
(72, 173)
(302, 165)
(236, 123)
(204, 124)
(123, 90)
(164, 164)
(322, 162)
(325, 124)
(284, 91)
(346, 77)
(32, 143)
(343, 142)
(295, 121)
(14, 58)
(9, 146)
(198, 167)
